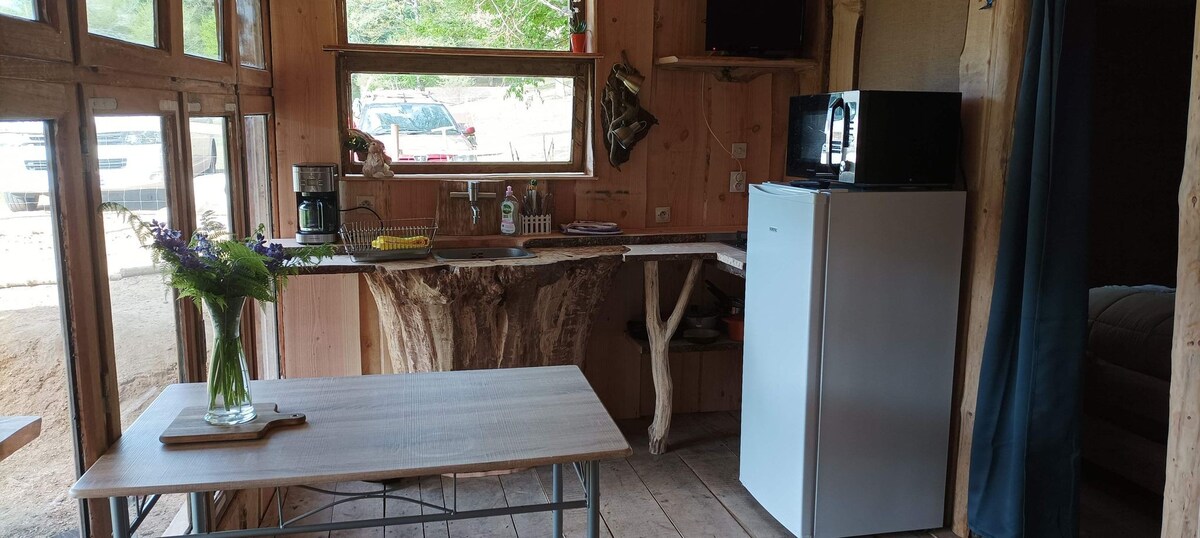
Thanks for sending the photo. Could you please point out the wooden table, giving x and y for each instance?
(373, 428)
(16, 432)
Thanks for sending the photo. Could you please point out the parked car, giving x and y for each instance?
(427, 130)
(130, 160)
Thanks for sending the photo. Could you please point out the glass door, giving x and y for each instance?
(34, 377)
(133, 158)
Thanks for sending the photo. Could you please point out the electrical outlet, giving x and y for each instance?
(662, 214)
(738, 149)
(364, 201)
(737, 182)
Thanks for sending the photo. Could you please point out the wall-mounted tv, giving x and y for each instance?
(763, 28)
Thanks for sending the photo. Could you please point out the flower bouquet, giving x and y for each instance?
(220, 273)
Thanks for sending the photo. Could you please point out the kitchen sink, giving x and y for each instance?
(491, 253)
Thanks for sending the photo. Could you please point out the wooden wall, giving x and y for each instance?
(327, 322)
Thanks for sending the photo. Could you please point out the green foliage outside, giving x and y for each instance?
(22, 9)
(135, 20)
(503, 24)
(127, 20)
(201, 29)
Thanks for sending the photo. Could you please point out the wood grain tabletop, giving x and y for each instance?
(16, 432)
(370, 428)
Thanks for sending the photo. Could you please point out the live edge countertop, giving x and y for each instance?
(648, 245)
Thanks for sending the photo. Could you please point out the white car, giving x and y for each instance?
(130, 154)
(427, 130)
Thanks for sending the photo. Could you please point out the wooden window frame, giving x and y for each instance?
(47, 38)
(369, 58)
(261, 334)
(166, 58)
(166, 104)
(388, 59)
(249, 75)
(88, 369)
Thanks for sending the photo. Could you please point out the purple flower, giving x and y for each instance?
(276, 256)
(171, 243)
(204, 247)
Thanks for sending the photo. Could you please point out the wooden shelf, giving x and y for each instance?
(400, 178)
(679, 345)
(446, 51)
(734, 68)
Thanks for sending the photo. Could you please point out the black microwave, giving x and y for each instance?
(872, 138)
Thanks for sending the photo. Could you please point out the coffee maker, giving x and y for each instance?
(316, 202)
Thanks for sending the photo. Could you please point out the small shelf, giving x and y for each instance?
(447, 51)
(525, 177)
(679, 345)
(734, 68)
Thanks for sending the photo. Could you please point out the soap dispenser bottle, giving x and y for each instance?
(508, 213)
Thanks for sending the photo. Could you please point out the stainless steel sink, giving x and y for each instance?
(491, 253)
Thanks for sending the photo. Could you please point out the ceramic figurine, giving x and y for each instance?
(377, 162)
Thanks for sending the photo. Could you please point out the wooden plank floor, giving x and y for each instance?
(692, 491)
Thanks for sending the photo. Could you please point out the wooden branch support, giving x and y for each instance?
(660, 333)
(1181, 497)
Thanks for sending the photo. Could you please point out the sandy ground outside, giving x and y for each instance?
(34, 481)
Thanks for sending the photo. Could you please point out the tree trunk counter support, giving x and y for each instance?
(659, 333)
(504, 314)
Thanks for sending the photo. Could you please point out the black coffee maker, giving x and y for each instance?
(316, 202)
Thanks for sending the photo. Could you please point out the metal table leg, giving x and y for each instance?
(118, 509)
(593, 499)
(556, 495)
(198, 506)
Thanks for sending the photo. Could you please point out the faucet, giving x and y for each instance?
(473, 195)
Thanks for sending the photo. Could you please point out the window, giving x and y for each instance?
(21, 9)
(210, 170)
(134, 21)
(250, 34)
(145, 333)
(498, 24)
(466, 118)
(467, 87)
(202, 29)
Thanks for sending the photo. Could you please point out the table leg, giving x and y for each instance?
(198, 506)
(556, 496)
(593, 499)
(659, 333)
(118, 509)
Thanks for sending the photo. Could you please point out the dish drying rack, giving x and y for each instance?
(357, 238)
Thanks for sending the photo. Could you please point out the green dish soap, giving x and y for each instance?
(508, 213)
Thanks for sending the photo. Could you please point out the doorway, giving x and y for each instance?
(1137, 82)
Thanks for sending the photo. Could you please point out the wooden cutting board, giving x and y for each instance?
(189, 426)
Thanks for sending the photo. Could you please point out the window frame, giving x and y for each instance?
(406, 60)
(247, 74)
(370, 58)
(47, 38)
(72, 208)
(167, 56)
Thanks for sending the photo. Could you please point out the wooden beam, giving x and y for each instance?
(990, 72)
(844, 43)
(1181, 497)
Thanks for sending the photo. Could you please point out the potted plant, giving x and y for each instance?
(358, 142)
(220, 273)
(578, 29)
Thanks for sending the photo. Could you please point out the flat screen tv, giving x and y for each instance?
(763, 28)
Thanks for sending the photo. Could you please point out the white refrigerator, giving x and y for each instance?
(851, 317)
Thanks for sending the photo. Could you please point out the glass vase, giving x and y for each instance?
(228, 376)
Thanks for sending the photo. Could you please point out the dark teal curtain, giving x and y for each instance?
(1024, 476)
